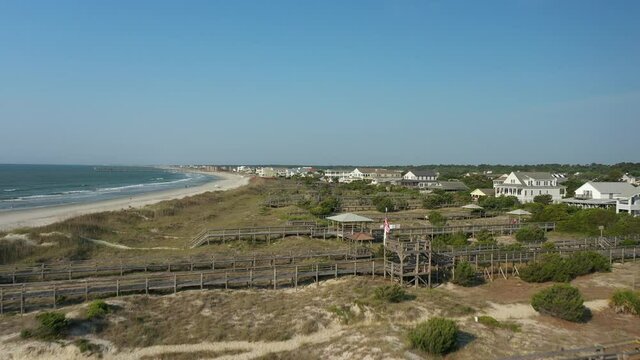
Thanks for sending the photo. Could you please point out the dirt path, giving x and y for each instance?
(124, 247)
(252, 350)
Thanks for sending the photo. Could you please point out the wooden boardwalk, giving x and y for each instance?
(274, 232)
(51, 294)
(83, 269)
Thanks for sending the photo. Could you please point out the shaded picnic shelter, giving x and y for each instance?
(360, 237)
(349, 222)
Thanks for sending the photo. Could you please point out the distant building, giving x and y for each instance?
(446, 186)
(477, 194)
(594, 194)
(527, 185)
(419, 178)
(631, 205)
(267, 172)
(630, 179)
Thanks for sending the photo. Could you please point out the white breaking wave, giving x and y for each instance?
(9, 190)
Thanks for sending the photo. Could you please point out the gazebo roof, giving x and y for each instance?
(349, 218)
(519, 212)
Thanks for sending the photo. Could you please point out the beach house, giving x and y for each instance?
(527, 185)
(594, 194)
(419, 178)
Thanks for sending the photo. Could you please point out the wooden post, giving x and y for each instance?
(201, 281)
(355, 268)
(55, 298)
(296, 278)
(86, 290)
(250, 278)
(453, 270)
(429, 280)
(336, 271)
(373, 269)
(117, 287)
(275, 278)
(146, 286)
(226, 280)
(175, 283)
(610, 256)
(42, 272)
(22, 300)
(1, 301)
(623, 255)
(317, 276)
(492, 266)
(213, 264)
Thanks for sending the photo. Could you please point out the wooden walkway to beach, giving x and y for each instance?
(51, 294)
(81, 269)
(274, 232)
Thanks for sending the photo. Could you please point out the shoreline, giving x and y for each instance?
(48, 215)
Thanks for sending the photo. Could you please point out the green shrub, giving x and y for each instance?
(553, 267)
(493, 323)
(531, 234)
(484, 237)
(97, 309)
(562, 301)
(436, 336)
(51, 326)
(625, 301)
(545, 199)
(465, 275)
(389, 293)
(437, 219)
(548, 246)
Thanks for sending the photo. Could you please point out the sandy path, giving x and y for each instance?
(249, 350)
(253, 349)
(44, 216)
(124, 247)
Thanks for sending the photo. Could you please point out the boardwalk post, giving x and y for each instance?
(491, 266)
(610, 256)
(250, 278)
(317, 276)
(634, 254)
(55, 298)
(121, 269)
(373, 269)
(201, 281)
(275, 278)
(86, 290)
(22, 300)
(175, 283)
(296, 277)
(117, 287)
(453, 270)
(146, 286)
(355, 268)
(213, 264)
(42, 272)
(226, 280)
(69, 272)
(336, 271)
(1, 301)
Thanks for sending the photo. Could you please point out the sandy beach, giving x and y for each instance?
(44, 216)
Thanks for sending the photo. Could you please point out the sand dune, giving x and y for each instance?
(44, 216)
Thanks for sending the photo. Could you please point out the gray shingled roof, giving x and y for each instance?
(534, 175)
(622, 188)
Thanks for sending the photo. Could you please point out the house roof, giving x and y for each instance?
(453, 185)
(533, 175)
(349, 218)
(622, 188)
(423, 172)
(379, 171)
(487, 192)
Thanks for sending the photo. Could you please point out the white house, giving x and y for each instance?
(629, 205)
(267, 172)
(421, 175)
(631, 179)
(594, 194)
(527, 185)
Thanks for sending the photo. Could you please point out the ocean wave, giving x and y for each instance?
(33, 197)
(9, 190)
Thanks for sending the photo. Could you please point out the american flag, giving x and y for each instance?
(387, 230)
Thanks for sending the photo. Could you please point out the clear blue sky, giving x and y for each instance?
(319, 82)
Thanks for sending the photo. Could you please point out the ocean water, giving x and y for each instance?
(34, 186)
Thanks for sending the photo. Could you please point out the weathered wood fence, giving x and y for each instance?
(51, 294)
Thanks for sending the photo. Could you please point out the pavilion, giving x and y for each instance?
(350, 222)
